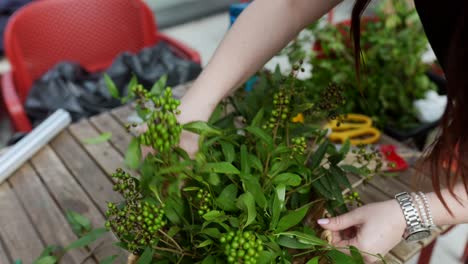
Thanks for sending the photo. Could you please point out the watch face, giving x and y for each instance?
(418, 235)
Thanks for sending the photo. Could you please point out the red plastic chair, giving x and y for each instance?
(90, 32)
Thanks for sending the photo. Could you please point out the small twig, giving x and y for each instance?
(92, 252)
(171, 239)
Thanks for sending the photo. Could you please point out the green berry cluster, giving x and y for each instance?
(163, 129)
(352, 198)
(125, 185)
(281, 109)
(299, 145)
(365, 156)
(135, 223)
(331, 98)
(241, 247)
(204, 200)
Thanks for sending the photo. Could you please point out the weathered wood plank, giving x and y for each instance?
(44, 213)
(120, 137)
(391, 259)
(3, 255)
(108, 158)
(17, 232)
(388, 185)
(406, 250)
(70, 196)
(122, 113)
(94, 181)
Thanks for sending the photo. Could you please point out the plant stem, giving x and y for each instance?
(171, 239)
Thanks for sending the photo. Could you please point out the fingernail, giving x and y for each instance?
(323, 221)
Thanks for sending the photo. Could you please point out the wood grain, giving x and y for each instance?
(120, 137)
(406, 250)
(44, 213)
(3, 254)
(85, 170)
(16, 231)
(70, 196)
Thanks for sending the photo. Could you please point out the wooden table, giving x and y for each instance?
(70, 175)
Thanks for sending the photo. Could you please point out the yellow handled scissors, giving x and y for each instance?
(355, 127)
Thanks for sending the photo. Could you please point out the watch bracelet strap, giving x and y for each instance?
(410, 212)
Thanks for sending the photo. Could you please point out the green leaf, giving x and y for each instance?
(146, 257)
(213, 215)
(278, 204)
(246, 203)
(220, 167)
(302, 108)
(228, 151)
(46, 260)
(104, 137)
(291, 242)
(212, 232)
(252, 185)
(314, 260)
(87, 239)
(202, 128)
(346, 146)
(305, 238)
(262, 135)
(114, 92)
(19, 261)
(205, 243)
(256, 121)
(340, 176)
(291, 219)
(158, 87)
(287, 178)
(227, 198)
(340, 257)
(317, 157)
(255, 162)
(266, 257)
(351, 169)
(174, 210)
(78, 222)
(245, 166)
(108, 260)
(133, 154)
(356, 255)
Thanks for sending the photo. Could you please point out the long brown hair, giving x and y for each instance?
(449, 153)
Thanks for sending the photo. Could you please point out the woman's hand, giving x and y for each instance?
(375, 228)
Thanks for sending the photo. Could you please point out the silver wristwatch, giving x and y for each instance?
(415, 230)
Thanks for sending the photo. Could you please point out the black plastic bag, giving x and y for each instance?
(69, 86)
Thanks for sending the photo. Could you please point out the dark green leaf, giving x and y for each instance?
(340, 257)
(340, 176)
(291, 219)
(356, 255)
(146, 257)
(202, 128)
(287, 178)
(291, 242)
(255, 162)
(159, 86)
(108, 260)
(212, 232)
(252, 185)
(314, 260)
(104, 137)
(302, 108)
(48, 251)
(173, 231)
(174, 210)
(277, 205)
(256, 122)
(205, 243)
(87, 239)
(114, 92)
(262, 135)
(46, 260)
(305, 238)
(78, 222)
(213, 215)
(346, 146)
(317, 157)
(133, 154)
(266, 257)
(220, 167)
(351, 169)
(245, 166)
(246, 203)
(227, 198)
(228, 151)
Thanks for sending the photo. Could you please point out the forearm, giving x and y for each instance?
(458, 207)
(259, 33)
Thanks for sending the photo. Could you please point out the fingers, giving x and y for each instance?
(341, 222)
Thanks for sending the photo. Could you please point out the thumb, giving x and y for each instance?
(341, 222)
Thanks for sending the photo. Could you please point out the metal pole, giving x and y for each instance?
(19, 153)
